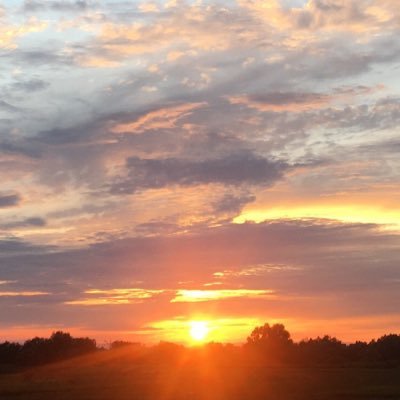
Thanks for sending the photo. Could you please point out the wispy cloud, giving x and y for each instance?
(22, 294)
(164, 118)
(194, 296)
(115, 296)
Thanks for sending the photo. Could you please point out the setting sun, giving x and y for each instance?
(199, 330)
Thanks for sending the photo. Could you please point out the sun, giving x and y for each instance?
(198, 330)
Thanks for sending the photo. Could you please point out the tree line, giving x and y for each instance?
(37, 351)
(267, 345)
(274, 344)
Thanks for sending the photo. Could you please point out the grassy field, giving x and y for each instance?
(123, 375)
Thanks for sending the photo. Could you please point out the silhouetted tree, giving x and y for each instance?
(267, 344)
(59, 346)
(273, 342)
(357, 352)
(9, 352)
(118, 344)
(386, 349)
(266, 335)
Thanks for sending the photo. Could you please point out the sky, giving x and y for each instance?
(231, 162)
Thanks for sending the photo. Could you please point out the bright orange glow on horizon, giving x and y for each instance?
(202, 328)
(346, 213)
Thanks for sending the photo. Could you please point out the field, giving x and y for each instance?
(124, 374)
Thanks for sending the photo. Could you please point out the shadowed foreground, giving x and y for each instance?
(129, 373)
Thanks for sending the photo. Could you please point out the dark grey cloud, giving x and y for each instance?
(387, 146)
(9, 200)
(233, 169)
(282, 98)
(342, 60)
(64, 6)
(61, 136)
(232, 203)
(288, 98)
(157, 228)
(23, 147)
(27, 222)
(13, 249)
(327, 5)
(38, 57)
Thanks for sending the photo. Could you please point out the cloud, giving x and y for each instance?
(330, 16)
(195, 296)
(295, 102)
(115, 296)
(22, 294)
(122, 40)
(27, 222)
(21, 147)
(31, 85)
(8, 107)
(299, 102)
(165, 118)
(234, 169)
(9, 33)
(14, 247)
(232, 203)
(39, 57)
(9, 200)
(61, 6)
(199, 254)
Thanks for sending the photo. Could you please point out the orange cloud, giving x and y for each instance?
(332, 16)
(96, 62)
(22, 294)
(255, 270)
(115, 296)
(164, 118)
(10, 33)
(148, 7)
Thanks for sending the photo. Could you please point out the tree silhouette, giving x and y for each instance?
(266, 345)
(270, 336)
(271, 342)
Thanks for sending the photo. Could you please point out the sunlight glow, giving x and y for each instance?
(198, 330)
(194, 296)
(232, 329)
(346, 214)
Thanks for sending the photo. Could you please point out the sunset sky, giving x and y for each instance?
(228, 162)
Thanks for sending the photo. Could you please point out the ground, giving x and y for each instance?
(123, 374)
